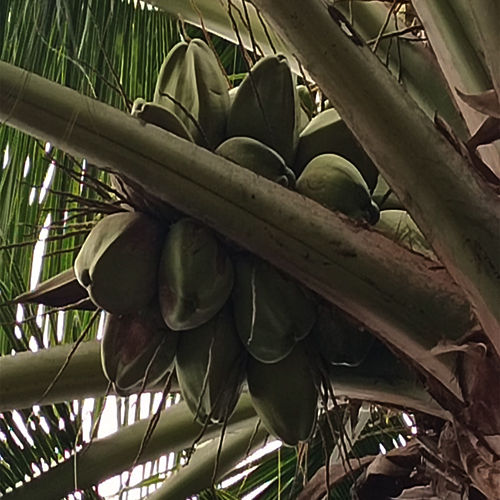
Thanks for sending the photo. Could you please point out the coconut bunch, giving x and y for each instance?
(178, 297)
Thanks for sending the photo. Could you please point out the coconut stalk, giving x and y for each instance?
(486, 14)
(411, 306)
(27, 375)
(463, 36)
(198, 475)
(103, 458)
(403, 392)
(454, 206)
(414, 64)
